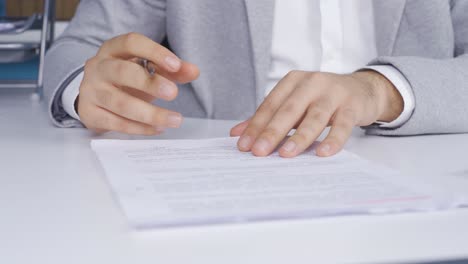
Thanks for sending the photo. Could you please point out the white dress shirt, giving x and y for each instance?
(330, 36)
(315, 35)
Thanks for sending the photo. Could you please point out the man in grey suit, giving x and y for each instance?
(395, 67)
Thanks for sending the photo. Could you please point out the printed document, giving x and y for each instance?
(164, 183)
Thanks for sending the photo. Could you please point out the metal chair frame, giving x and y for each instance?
(22, 51)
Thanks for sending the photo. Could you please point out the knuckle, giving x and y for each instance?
(264, 110)
(103, 97)
(130, 39)
(121, 69)
(326, 104)
(104, 47)
(313, 76)
(90, 64)
(271, 133)
(290, 108)
(316, 81)
(316, 77)
(348, 112)
(319, 115)
(253, 129)
(337, 87)
(293, 74)
(303, 137)
(349, 116)
(268, 107)
(306, 85)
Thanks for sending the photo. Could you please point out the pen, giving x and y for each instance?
(148, 65)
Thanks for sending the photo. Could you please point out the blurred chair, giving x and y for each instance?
(14, 52)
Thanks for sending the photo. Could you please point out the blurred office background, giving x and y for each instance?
(27, 70)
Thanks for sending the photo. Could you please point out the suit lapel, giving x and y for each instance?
(388, 15)
(260, 18)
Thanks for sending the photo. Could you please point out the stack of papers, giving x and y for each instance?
(163, 183)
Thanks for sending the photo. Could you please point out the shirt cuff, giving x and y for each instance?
(404, 88)
(70, 94)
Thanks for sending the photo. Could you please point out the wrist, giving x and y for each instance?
(390, 101)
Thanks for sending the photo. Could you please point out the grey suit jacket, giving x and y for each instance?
(230, 40)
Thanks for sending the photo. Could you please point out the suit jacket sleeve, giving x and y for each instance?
(440, 86)
(95, 22)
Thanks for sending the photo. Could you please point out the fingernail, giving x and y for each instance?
(174, 120)
(166, 89)
(244, 142)
(289, 146)
(325, 149)
(173, 63)
(262, 145)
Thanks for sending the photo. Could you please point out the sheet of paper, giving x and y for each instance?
(161, 183)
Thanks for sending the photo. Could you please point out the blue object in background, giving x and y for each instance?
(17, 71)
(2, 7)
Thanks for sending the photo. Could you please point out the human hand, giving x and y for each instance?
(311, 101)
(116, 92)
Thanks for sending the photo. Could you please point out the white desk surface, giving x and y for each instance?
(56, 207)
